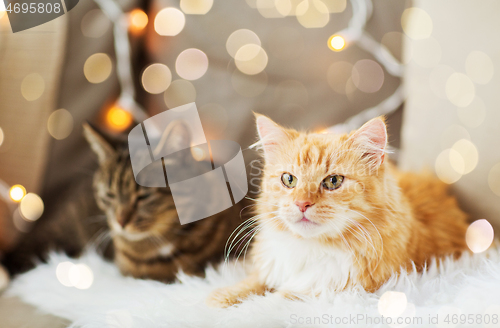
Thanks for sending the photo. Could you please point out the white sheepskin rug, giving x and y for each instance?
(463, 293)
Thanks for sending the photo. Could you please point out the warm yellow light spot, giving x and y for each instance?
(118, 119)
(198, 153)
(312, 14)
(416, 23)
(97, 68)
(196, 7)
(169, 22)
(31, 207)
(479, 236)
(336, 43)
(60, 124)
(2, 136)
(191, 64)
(17, 192)
(32, 86)
(156, 78)
(138, 20)
(251, 59)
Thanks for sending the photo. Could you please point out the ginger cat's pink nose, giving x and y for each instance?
(303, 205)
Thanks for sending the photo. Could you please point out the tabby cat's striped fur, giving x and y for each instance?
(148, 239)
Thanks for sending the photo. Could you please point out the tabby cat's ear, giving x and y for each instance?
(177, 136)
(98, 143)
(371, 138)
(271, 134)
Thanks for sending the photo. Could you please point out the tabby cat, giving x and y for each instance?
(148, 240)
(334, 214)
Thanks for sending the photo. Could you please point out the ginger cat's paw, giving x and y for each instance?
(223, 298)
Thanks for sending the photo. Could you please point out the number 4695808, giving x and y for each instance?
(34, 8)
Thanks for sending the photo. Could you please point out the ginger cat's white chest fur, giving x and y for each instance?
(302, 266)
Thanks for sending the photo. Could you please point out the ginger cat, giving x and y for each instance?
(334, 214)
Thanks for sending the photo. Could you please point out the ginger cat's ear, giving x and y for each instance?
(371, 138)
(270, 133)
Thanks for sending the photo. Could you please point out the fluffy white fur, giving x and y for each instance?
(292, 265)
(469, 285)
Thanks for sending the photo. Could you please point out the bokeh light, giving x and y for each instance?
(169, 22)
(80, 276)
(156, 78)
(335, 6)
(416, 23)
(60, 124)
(95, 24)
(251, 59)
(426, 53)
(97, 68)
(118, 119)
(249, 85)
(196, 7)
(479, 236)
(2, 136)
(338, 74)
(473, 115)
(239, 38)
(336, 42)
(31, 207)
(494, 179)
(269, 9)
(138, 20)
(32, 86)
(469, 155)
(284, 7)
(17, 192)
(460, 90)
(479, 67)
(445, 165)
(180, 92)
(392, 304)
(191, 64)
(62, 273)
(312, 14)
(198, 154)
(367, 75)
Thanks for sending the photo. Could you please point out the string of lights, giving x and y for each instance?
(121, 23)
(355, 33)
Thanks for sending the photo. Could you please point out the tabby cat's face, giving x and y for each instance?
(135, 212)
(132, 211)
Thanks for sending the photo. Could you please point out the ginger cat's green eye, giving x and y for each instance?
(332, 182)
(290, 181)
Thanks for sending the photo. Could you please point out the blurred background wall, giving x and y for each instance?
(451, 119)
